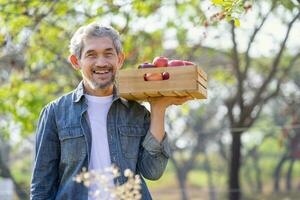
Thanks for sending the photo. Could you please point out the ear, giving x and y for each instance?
(74, 61)
(121, 58)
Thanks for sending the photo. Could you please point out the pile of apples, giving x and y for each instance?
(161, 61)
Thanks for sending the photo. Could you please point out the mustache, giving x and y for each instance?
(106, 66)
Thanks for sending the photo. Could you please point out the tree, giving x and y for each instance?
(193, 130)
(291, 143)
(246, 103)
(254, 154)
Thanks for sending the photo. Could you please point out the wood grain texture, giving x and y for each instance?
(183, 81)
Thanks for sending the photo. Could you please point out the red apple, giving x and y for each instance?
(153, 77)
(175, 63)
(146, 65)
(160, 61)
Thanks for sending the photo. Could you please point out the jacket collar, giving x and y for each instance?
(79, 93)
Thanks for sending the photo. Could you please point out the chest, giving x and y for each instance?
(124, 133)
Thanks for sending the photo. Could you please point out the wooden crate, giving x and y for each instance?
(183, 81)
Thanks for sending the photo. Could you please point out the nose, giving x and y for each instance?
(101, 62)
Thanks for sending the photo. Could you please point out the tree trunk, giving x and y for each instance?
(234, 185)
(277, 173)
(212, 193)
(289, 175)
(6, 173)
(181, 176)
(21, 192)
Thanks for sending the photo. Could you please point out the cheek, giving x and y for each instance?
(88, 62)
(86, 69)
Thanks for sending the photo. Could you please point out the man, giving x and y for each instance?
(92, 127)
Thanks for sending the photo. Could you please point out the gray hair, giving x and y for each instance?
(93, 30)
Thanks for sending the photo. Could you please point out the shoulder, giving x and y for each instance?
(66, 98)
(63, 111)
(62, 101)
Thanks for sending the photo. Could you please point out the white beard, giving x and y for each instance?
(94, 85)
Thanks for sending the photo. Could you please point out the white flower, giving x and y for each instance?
(129, 190)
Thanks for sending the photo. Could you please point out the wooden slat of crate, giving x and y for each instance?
(183, 81)
(153, 94)
(136, 96)
(200, 94)
(202, 73)
(169, 94)
(133, 80)
(202, 81)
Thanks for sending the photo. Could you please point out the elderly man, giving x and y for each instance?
(93, 127)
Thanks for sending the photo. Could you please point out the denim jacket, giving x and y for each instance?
(63, 146)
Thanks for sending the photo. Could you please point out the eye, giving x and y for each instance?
(91, 55)
(108, 54)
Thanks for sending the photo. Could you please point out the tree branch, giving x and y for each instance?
(271, 94)
(230, 104)
(38, 19)
(236, 66)
(249, 121)
(252, 38)
(292, 63)
(274, 68)
(4, 170)
(254, 148)
(235, 55)
(126, 27)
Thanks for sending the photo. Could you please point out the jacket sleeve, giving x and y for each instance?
(154, 156)
(44, 181)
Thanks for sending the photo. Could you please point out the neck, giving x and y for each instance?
(98, 92)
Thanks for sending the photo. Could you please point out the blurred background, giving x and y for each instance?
(243, 142)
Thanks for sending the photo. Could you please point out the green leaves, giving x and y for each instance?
(145, 8)
(237, 22)
(23, 101)
(217, 2)
(230, 10)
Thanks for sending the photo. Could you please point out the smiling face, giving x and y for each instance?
(99, 63)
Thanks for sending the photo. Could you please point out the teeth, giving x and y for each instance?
(101, 71)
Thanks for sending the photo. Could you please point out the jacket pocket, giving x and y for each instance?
(130, 139)
(72, 144)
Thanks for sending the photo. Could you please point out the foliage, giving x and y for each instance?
(39, 32)
(21, 103)
(231, 10)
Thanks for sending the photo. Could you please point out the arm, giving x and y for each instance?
(158, 108)
(44, 181)
(156, 147)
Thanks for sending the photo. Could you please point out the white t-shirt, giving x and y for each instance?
(98, 108)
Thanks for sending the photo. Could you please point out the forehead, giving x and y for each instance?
(97, 44)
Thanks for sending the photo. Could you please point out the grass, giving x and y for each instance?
(167, 188)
